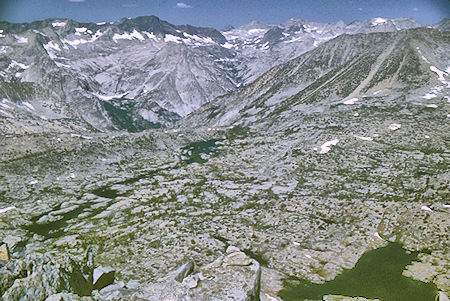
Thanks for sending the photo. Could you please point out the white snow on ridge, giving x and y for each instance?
(59, 24)
(207, 40)
(150, 35)
(432, 106)
(377, 21)
(326, 147)
(128, 36)
(395, 126)
(172, 38)
(350, 101)
(80, 31)
(101, 23)
(75, 43)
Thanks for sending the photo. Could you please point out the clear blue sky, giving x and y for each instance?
(219, 13)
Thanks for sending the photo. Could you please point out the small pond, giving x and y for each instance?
(378, 274)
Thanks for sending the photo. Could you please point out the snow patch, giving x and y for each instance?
(110, 97)
(377, 235)
(20, 65)
(81, 29)
(351, 101)
(326, 147)
(429, 96)
(364, 138)
(440, 74)
(28, 105)
(293, 40)
(395, 126)
(3, 210)
(63, 65)
(101, 23)
(432, 106)
(228, 45)
(53, 46)
(21, 40)
(426, 208)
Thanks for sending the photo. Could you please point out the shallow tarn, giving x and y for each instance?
(378, 274)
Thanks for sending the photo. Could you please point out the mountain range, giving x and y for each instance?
(143, 72)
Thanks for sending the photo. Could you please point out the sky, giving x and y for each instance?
(220, 13)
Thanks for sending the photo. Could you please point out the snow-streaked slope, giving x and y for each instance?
(347, 73)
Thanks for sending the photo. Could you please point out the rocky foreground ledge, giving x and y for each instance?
(233, 276)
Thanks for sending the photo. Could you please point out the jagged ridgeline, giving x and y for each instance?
(256, 163)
